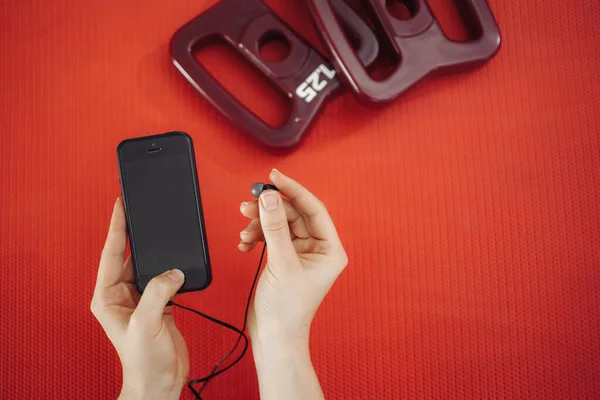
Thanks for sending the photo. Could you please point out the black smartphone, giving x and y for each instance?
(163, 207)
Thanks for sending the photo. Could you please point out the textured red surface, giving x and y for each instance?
(469, 208)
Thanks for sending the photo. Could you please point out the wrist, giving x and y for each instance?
(128, 393)
(284, 368)
(148, 392)
(271, 349)
(274, 335)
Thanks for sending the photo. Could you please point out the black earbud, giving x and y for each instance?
(260, 187)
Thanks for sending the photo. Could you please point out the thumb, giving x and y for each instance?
(157, 294)
(273, 220)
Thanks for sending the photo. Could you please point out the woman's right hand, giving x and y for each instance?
(305, 257)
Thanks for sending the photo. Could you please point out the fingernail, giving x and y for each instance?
(241, 246)
(176, 275)
(270, 200)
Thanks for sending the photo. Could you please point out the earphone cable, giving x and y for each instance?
(241, 335)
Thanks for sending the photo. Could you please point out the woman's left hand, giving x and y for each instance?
(142, 329)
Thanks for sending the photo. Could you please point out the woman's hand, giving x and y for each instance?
(151, 349)
(305, 256)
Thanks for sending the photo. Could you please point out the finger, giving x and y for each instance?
(111, 262)
(253, 233)
(168, 311)
(246, 247)
(128, 275)
(156, 295)
(295, 219)
(276, 229)
(251, 236)
(318, 220)
(250, 209)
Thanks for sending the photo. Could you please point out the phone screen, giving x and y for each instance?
(163, 209)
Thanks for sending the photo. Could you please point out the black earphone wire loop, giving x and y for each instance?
(241, 335)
